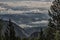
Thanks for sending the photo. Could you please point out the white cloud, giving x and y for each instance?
(24, 25)
(25, 0)
(27, 4)
(40, 22)
(35, 24)
(30, 4)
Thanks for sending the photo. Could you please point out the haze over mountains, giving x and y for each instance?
(26, 13)
(24, 6)
(25, 0)
(30, 15)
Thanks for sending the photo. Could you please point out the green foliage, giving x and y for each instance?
(57, 36)
(24, 38)
(17, 38)
(32, 38)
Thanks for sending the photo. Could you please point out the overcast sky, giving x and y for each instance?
(25, 0)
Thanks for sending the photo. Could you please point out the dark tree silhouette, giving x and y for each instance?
(54, 21)
(10, 32)
(1, 26)
(42, 36)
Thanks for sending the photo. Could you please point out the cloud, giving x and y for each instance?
(25, 5)
(29, 4)
(24, 25)
(35, 24)
(40, 22)
(24, 0)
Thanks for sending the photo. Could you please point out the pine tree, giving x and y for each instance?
(10, 32)
(41, 34)
(6, 35)
(54, 21)
(1, 25)
(18, 38)
(57, 36)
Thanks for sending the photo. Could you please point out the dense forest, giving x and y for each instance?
(54, 21)
(50, 33)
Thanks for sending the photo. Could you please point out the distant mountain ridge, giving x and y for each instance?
(20, 32)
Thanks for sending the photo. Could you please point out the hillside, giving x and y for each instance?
(18, 30)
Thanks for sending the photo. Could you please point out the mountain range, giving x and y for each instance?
(27, 16)
(20, 32)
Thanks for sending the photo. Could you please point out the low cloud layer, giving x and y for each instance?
(25, 0)
(25, 6)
